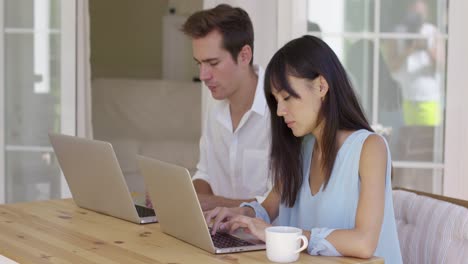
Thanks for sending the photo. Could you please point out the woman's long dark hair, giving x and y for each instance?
(308, 57)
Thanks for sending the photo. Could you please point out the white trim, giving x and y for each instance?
(68, 67)
(2, 108)
(375, 73)
(28, 148)
(68, 76)
(83, 72)
(372, 35)
(417, 165)
(30, 31)
(41, 47)
(456, 122)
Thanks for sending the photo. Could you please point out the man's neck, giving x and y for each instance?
(241, 101)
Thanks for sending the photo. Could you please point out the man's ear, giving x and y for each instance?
(245, 55)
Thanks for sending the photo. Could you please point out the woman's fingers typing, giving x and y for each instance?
(209, 215)
(223, 215)
(214, 218)
(256, 226)
(229, 219)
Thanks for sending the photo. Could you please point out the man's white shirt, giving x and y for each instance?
(235, 163)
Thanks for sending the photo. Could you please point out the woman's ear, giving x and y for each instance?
(323, 86)
(245, 55)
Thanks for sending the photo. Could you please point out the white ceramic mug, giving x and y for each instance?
(283, 243)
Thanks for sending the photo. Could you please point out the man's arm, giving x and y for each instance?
(202, 187)
(210, 201)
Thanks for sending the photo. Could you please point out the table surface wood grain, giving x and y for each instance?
(57, 231)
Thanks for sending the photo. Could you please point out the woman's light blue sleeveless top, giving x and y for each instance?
(336, 206)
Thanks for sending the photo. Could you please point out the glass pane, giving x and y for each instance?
(340, 15)
(415, 16)
(32, 94)
(425, 180)
(55, 13)
(31, 176)
(19, 13)
(24, 13)
(358, 59)
(412, 97)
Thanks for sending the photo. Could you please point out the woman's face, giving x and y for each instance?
(301, 114)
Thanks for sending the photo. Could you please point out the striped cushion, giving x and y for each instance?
(430, 230)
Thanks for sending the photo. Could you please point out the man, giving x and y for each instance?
(234, 147)
(414, 64)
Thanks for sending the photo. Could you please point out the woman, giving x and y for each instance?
(331, 173)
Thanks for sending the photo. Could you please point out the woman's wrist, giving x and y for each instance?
(258, 211)
(247, 211)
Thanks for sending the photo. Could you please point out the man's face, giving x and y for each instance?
(218, 70)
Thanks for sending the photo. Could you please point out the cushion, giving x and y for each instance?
(430, 230)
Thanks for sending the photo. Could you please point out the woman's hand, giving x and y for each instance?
(219, 216)
(230, 219)
(255, 226)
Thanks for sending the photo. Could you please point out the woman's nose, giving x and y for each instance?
(281, 110)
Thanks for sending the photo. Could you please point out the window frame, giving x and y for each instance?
(292, 22)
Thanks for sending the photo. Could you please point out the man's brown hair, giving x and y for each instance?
(233, 23)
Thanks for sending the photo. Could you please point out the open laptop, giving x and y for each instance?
(96, 180)
(179, 212)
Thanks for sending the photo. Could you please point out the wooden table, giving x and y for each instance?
(57, 231)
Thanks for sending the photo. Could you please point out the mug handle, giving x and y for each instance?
(304, 241)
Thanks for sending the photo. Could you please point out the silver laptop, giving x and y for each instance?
(180, 215)
(96, 180)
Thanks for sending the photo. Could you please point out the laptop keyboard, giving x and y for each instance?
(144, 211)
(224, 240)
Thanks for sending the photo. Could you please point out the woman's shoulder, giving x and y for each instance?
(363, 139)
(345, 135)
(374, 146)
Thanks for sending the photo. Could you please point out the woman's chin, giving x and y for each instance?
(298, 133)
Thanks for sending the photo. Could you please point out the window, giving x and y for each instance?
(395, 55)
(37, 69)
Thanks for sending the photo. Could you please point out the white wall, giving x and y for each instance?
(456, 127)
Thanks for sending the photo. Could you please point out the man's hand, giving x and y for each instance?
(148, 202)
